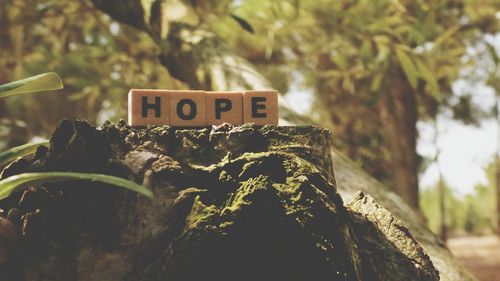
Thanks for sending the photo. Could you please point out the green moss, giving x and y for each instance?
(200, 214)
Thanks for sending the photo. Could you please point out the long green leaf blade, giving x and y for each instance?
(408, 67)
(428, 76)
(12, 154)
(20, 182)
(49, 81)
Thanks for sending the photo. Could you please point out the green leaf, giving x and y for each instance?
(10, 155)
(383, 50)
(340, 60)
(446, 35)
(243, 23)
(493, 53)
(20, 182)
(428, 76)
(408, 67)
(366, 51)
(376, 82)
(44, 82)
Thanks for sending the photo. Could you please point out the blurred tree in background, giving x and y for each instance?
(472, 213)
(456, 210)
(375, 67)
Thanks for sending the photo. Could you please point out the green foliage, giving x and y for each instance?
(473, 213)
(409, 67)
(480, 210)
(43, 82)
(455, 208)
(20, 182)
(11, 154)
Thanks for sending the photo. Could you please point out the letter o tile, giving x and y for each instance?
(187, 108)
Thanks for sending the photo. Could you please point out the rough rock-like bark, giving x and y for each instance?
(351, 179)
(231, 203)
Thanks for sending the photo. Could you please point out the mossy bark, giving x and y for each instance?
(231, 203)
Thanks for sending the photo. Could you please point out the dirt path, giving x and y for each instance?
(480, 254)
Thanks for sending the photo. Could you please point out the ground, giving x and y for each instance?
(480, 254)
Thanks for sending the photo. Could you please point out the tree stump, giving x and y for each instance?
(231, 203)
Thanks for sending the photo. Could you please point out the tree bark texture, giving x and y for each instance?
(231, 203)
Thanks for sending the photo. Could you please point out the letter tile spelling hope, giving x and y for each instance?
(200, 108)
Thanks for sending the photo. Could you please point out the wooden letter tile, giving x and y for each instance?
(260, 107)
(187, 108)
(147, 106)
(224, 107)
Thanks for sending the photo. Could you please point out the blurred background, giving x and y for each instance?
(410, 89)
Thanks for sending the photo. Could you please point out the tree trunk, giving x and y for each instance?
(398, 112)
(4, 39)
(497, 189)
(497, 167)
(443, 231)
(4, 45)
(228, 200)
